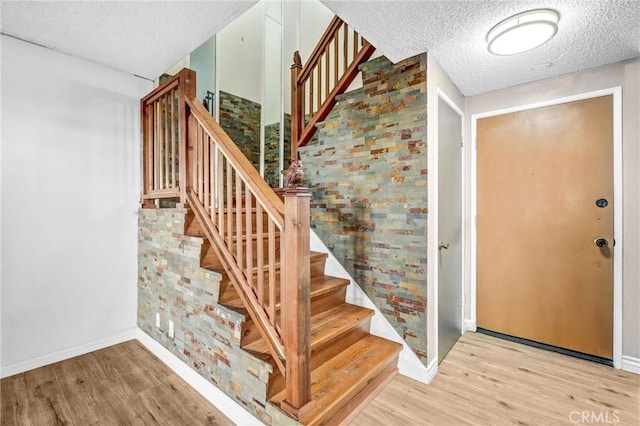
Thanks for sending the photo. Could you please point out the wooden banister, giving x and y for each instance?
(315, 87)
(326, 39)
(187, 155)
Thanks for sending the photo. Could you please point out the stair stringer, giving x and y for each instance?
(409, 364)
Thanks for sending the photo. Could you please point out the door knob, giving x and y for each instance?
(442, 245)
(602, 242)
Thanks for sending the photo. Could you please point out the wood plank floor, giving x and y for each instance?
(120, 385)
(483, 381)
(489, 381)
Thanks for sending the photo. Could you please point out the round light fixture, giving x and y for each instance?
(522, 32)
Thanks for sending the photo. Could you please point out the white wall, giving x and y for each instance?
(182, 63)
(70, 190)
(239, 49)
(203, 62)
(436, 79)
(627, 75)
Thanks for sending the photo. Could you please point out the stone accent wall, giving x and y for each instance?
(207, 335)
(240, 118)
(272, 151)
(368, 174)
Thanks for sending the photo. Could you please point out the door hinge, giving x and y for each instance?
(462, 143)
(476, 221)
(476, 141)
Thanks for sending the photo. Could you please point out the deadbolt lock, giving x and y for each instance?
(602, 242)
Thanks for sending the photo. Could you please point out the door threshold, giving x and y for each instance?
(544, 346)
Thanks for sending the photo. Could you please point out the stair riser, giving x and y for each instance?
(322, 354)
(316, 270)
(209, 258)
(327, 301)
(318, 304)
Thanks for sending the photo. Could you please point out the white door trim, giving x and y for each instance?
(433, 245)
(618, 204)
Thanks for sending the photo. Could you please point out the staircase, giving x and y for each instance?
(348, 365)
(326, 364)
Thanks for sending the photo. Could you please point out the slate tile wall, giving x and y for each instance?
(368, 173)
(240, 118)
(207, 335)
(272, 150)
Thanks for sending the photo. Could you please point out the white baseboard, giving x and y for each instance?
(50, 358)
(469, 325)
(414, 369)
(631, 364)
(234, 411)
(432, 370)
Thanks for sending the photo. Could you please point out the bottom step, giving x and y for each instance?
(346, 381)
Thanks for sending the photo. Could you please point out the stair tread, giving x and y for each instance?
(320, 285)
(338, 380)
(325, 326)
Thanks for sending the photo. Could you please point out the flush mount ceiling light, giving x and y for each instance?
(522, 32)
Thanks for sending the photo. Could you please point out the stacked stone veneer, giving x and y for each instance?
(240, 118)
(272, 150)
(207, 335)
(368, 174)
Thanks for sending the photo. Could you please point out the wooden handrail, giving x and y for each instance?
(343, 84)
(314, 87)
(163, 88)
(272, 204)
(326, 39)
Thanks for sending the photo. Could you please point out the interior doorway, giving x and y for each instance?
(449, 225)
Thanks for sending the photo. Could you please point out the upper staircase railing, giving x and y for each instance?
(188, 155)
(330, 70)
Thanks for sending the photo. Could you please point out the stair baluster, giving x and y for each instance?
(308, 82)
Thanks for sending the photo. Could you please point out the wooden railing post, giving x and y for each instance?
(296, 300)
(297, 120)
(186, 89)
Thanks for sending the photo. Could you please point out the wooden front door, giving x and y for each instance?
(545, 204)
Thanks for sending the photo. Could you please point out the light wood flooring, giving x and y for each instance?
(490, 381)
(120, 385)
(483, 381)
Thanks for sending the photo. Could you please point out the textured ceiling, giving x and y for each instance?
(142, 38)
(591, 33)
(146, 38)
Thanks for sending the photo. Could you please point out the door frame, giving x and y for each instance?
(616, 92)
(440, 94)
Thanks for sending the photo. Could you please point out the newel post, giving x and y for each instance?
(296, 297)
(296, 104)
(186, 89)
